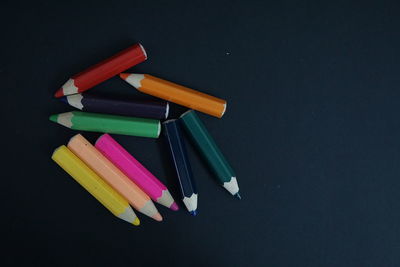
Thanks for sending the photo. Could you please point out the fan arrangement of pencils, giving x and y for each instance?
(107, 170)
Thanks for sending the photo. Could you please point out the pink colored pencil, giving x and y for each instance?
(135, 171)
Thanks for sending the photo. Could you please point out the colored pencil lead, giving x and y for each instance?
(136, 222)
(124, 75)
(53, 118)
(157, 217)
(174, 206)
(64, 99)
(193, 212)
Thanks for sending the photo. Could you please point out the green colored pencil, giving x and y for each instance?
(104, 123)
(208, 148)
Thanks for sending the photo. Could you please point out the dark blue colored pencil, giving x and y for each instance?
(153, 109)
(176, 144)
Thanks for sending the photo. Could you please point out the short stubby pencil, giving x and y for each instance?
(125, 106)
(210, 151)
(176, 93)
(133, 169)
(104, 70)
(176, 145)
(95, 160)
(105, 123)
(89, 180)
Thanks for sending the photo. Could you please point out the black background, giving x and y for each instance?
(312, 130)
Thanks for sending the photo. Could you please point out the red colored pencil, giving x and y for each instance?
(103, 71)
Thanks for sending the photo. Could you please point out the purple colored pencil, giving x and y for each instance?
(153, 109)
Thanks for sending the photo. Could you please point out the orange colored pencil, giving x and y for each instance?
(95, 160)
(176, 93)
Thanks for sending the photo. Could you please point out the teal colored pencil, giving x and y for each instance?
(104, 123)
(210, 151)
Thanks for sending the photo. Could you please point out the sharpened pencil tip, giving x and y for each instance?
(53, 117)
(124, 75)
(64, 99)
(193, 212)
(157, 217)
(174, 206)
(59, 93)
(238, 195)
(136, 222)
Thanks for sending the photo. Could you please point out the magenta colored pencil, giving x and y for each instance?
(135, 171)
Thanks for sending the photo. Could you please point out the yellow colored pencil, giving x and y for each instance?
(104, 193)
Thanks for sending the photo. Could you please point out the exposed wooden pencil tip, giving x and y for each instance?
(238, 195)
(124, 76)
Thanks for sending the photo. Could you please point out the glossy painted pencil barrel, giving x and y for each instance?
(103, 71)
(88, 179)
(176, 93)
(210, 151)
(176, 145)
(118, 105)
(104, 123)
(113, 176)
(135, 171)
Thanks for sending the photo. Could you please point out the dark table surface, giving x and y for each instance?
(312, 130)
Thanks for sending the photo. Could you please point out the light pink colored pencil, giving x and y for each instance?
(95, 160)
(135, 171)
